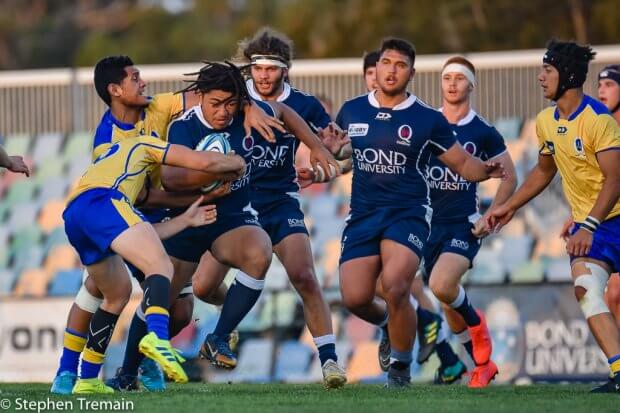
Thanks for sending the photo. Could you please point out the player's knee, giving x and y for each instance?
(305, 281)
(442, 289)
(116, 302)
(258, 258)
(613, 295)
(590, 289)
(356, 301)
(160, 265)
(396, 292)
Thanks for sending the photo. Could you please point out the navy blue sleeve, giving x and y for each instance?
(340, 119)
(494, 143)
(179, 134)
(442, 136)
(319, 117)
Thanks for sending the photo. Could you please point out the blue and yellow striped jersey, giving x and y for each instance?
(574, 143)
(154, 122)
(124, 166)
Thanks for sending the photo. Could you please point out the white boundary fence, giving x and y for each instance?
(64, 100)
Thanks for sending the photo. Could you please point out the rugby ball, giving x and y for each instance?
(216, 142)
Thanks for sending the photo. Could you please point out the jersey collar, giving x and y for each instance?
(119, 124)
(198, 111)
(580, 108)
(467, 119)
(407, 103)
(286, 92)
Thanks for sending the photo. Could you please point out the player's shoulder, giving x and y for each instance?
(105, 130)
(264, 106)
(165, 102)
(546, 115)
(594, 106)
(357, 101)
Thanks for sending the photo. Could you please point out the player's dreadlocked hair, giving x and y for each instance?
(219, 76)
(571, 61)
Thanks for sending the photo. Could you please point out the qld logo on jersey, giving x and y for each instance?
(470, 147)
(248, 143)
(579, 150)
(357, 129)
(562, 130)
(379, 161)
(404, 135)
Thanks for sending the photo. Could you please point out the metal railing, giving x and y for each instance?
(64, 100)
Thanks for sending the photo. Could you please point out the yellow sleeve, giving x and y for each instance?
(155, 149)
(168, 104)
(543, 147)
(606, 133)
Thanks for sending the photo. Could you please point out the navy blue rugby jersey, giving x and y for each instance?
(391, 148)
(192, 127)
(453, 198)
(273, 169)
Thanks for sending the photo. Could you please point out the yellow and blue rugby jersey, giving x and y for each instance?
(124, 166)
(154, 122)
(574, 143)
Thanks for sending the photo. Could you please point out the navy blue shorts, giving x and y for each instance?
(281, 218)
(363, 234)
(455, 238)
(95, 218)
(605, 243)
(191, 243)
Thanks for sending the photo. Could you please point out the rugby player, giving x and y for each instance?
(579, 137)
(274, 194)
(393, 134)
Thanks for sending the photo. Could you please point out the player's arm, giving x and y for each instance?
(257, 118)
(194, 216)
(196, 168)
(508, 185)
(469, 167)
(506, 188)
(13, 163)
(537, 180)
(319, 155)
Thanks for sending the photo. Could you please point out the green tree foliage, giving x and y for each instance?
(47, 33)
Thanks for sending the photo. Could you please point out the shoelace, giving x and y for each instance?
(222, 348)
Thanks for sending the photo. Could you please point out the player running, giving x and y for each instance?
(105, 229)
(430, 331)
(457, 227)
(393, 133)
(579, 138)
(275, 198)
(237, 240)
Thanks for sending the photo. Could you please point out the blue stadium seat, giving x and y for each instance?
(46, 147)
(7, 280)
(66, 283)
(509, 128)
(293, 360)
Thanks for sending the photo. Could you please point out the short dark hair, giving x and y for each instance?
(219, 76)
(400, 45)
(266, 41)
(110, 69)
(371, 59)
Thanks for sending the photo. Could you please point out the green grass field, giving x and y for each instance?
(257, 398)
